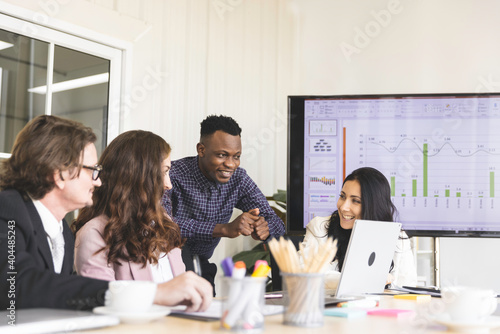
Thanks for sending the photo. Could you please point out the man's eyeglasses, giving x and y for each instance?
(96, 170)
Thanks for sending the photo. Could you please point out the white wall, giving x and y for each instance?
(471, 262)
(243, 57)
(188, 59)
(422, 47)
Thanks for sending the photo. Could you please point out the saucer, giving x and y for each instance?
(155, 312)
(479, 326)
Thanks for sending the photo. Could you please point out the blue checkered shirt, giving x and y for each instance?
(197, 204)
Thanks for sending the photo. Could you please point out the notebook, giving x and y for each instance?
(42, 320)
(368, 258)
(214, 311)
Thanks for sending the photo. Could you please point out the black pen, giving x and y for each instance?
(415, 288)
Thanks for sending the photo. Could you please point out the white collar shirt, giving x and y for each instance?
(51, 226)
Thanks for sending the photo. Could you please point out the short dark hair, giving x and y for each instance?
(44, 145)
(214, 123)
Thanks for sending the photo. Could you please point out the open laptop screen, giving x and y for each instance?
(368, 258)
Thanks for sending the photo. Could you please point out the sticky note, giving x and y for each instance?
(345, 312)
(412, 296)
(384, 312)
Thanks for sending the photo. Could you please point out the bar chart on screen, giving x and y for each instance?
(445, 172)
(440, 154)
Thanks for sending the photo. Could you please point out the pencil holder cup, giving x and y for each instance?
(242, 304)
(304, 299)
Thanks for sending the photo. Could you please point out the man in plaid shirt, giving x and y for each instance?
(206, 188)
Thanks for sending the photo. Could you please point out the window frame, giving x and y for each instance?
(115, 55)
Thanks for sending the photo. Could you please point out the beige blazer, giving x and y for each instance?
(89, 239)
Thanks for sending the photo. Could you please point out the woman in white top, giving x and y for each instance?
(126, 233)
(365, 194)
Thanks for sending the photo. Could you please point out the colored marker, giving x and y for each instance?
(261, 271)
(259, 262)
(239, 270)
(227, 266)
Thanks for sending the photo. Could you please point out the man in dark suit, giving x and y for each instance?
(52, 171)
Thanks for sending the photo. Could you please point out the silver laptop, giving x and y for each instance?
(43, 320)
(367, 261)
(368, 258)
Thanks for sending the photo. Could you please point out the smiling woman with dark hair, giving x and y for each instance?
(365, 194)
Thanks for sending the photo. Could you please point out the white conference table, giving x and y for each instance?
(414, 322)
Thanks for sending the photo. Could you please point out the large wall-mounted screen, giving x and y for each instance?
(440, 153)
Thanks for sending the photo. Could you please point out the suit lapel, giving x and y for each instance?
(139, 273)
(175, 259)
(40, 235)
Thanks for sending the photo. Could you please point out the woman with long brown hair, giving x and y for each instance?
(126, 233)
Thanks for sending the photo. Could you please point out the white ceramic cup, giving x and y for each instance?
(130, 296)
(468, 304)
